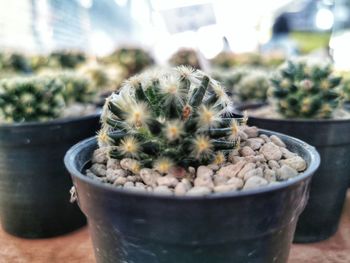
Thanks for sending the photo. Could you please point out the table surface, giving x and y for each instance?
(76, 247)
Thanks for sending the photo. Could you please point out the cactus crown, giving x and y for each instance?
(169, 118)
(30, 99)
(306, 91)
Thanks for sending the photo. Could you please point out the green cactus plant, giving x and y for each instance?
(24, 99)
(302, 90)
(253, 86)
(66, 59)
(229, 78)
(77, 87)
(133, 60)
(169, 119)
(15, 62)
(185, 57)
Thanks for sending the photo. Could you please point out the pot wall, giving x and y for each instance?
(34, 185)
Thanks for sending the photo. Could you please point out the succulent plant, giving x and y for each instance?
(133, 60)
(169, 119)
(224, 60)
(229, 78)
(253, 86)
(15, 62)
(66, 59)
(185, 57)
(25, 99)
(303, 90)
(77, 87)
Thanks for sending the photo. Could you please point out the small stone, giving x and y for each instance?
(90, 174)
(120, 181)
(213, 167)
(113, 164)
(98, 169)
(192, 170)
(112, 175)
(204, 171)
(255, 143)
(274, 164)
(129, 185)
(270, 175)
(271, 151)
(149, 189)
(276, 140)
(100, 155)
(254, 159)
(133, 178)
(199, 190)
(224, 188)
(236, 182)
(204, 181)
(246, 168)
(149, 176)
(235, 159)
(251, 131)
(254, 172)
(180, 189)
(247, 151)
(231, 170)
(187, 183)
(140, 185)
(242, 135)
(164, 190)
(130, 165)
(255, 182)
(168, 180)
(296, 163)
(286, 153)
(265, 137)
(286, 172)
(219, 179)
(177, 172)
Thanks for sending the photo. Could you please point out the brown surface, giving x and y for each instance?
(76, 247)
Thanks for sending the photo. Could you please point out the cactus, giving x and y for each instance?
(302, 90)
(169, 119)
(185, 57)
(229, 78)
(15, 62)
(77, 87)
(132, 60)
(66, 59)
(253, 86)
(224, 60)
(30, 99)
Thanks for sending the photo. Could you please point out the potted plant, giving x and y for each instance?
(169, 180)
(306, 105)
(34, 135)
(185, 57)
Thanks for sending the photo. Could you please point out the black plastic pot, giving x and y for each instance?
(250, 226)
(331, 138)
(34, 184)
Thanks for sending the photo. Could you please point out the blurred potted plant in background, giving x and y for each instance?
(185, 57)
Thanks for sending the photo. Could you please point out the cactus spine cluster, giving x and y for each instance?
(306, 91)
(30, 99)
(167, 119)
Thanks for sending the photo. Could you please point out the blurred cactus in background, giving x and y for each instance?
(14, 62)
(168, 118)
(229, 78)
(224, 60)
(185, 57)
(66, 59)
(30, 99)
(132, 60)
(253, 86)
(305, 90)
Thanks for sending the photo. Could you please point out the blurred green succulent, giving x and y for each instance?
(302, 90)
(185, 57)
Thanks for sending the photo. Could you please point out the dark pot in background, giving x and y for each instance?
(34, 184)
(331, 138)
(252, 226)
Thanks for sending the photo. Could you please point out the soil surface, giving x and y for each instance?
(76, 247)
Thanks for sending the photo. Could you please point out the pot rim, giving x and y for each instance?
(238, 111)
(58, 121)
(314, 164)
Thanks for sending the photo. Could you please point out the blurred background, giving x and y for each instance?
(207, 33)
